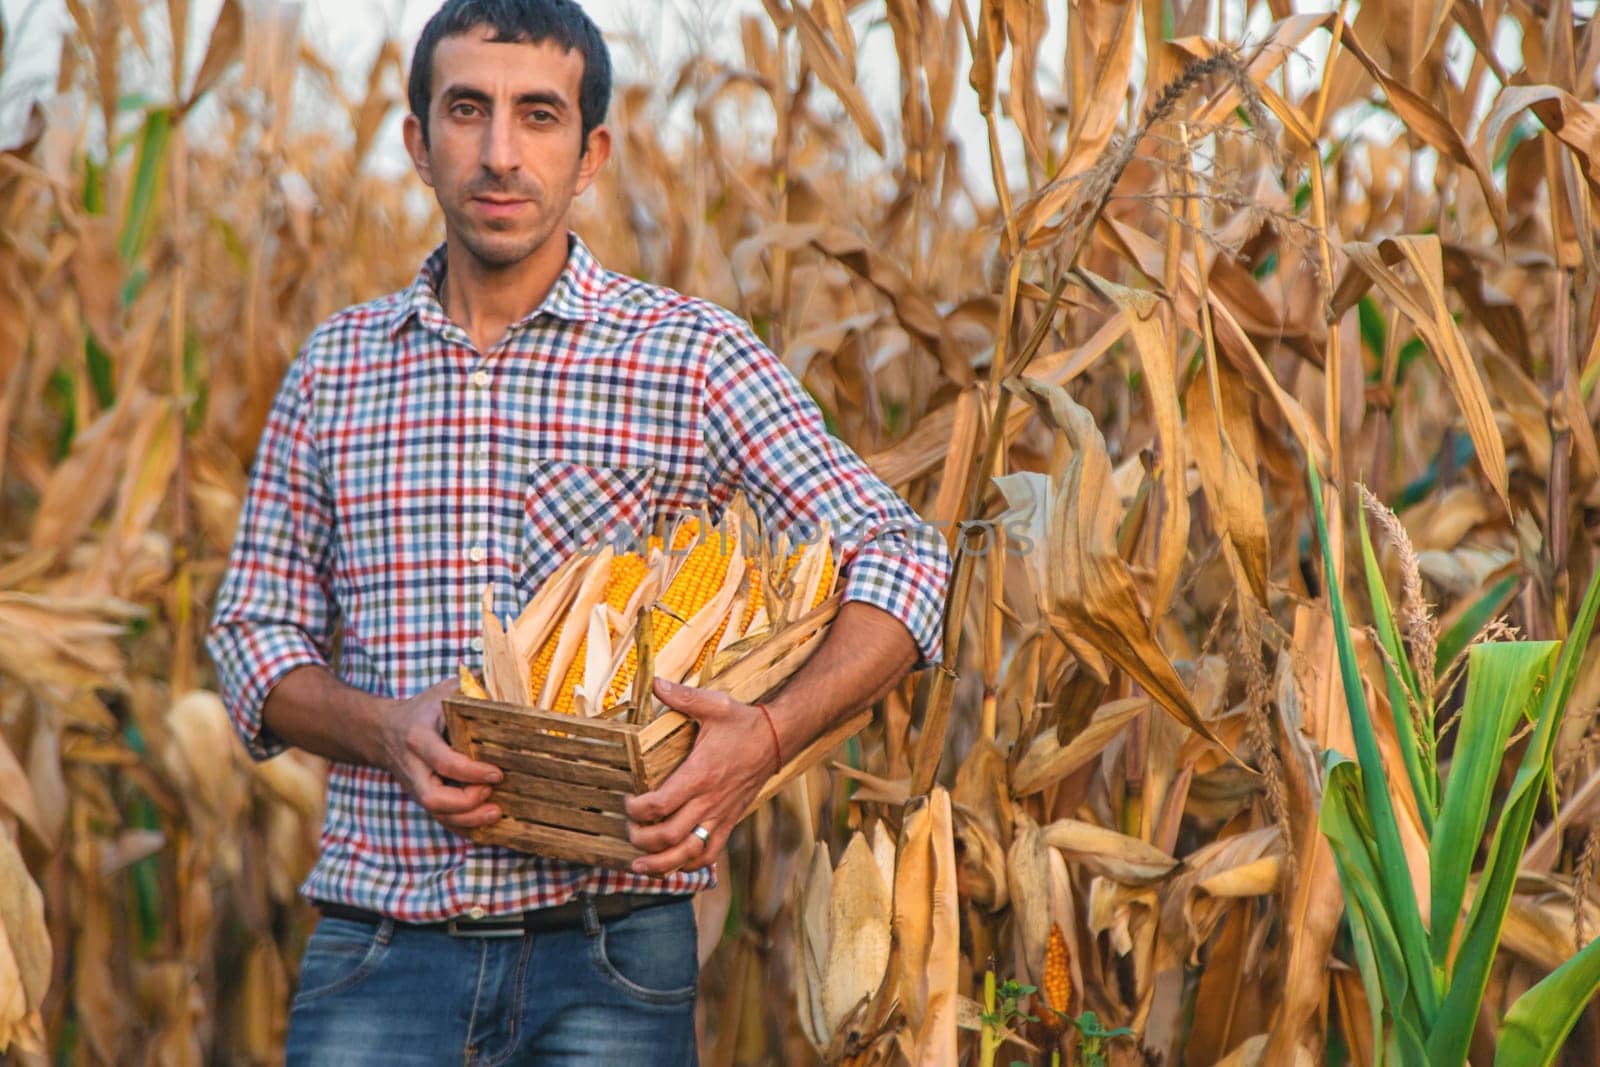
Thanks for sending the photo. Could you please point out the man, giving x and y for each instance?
(510, 407)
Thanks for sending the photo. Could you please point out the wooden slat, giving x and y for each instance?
(559, 844)
(662, 760)
(543, 789)
(760, 670)
(660, 728)
(462, 731)
(563, 815)
(753, 678)
(605, 753)
(512, 715)
(564, 770)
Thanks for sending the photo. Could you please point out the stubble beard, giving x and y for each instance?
(498, 250)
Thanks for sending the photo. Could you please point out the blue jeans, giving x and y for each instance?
(614, 992)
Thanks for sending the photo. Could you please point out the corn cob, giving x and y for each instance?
(752, 604)
(541, 662)
(697, 579)
(825, 586)
(627, 572)
(1057, 984)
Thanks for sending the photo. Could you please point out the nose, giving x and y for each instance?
(499, 149)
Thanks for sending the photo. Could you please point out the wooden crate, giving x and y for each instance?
(566, 777)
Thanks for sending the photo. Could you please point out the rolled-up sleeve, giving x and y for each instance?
(765, 435)
(274, 610)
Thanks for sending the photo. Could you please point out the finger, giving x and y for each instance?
(702, 705)
(446, 762)
(711, 853)
(440, 799)
(682, 785)
(669, 860)
(486, 815)
(656, 837)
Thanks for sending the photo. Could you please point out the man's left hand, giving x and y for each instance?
(733, 756)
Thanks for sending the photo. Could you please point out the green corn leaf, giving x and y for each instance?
(1343, 821)
(1541, 1019)
(144, 197)
(1447, 1043)
(1461, 632)
(1501, 681)
(1404, 692)
(1395, 876)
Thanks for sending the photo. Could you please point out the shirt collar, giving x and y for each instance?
(575, 297)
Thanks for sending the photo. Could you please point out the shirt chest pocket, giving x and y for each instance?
(569, 507)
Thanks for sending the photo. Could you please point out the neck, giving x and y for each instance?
(484, 299)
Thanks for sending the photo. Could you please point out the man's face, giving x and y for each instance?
(506, 153)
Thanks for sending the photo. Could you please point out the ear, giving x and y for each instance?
(595, 153)
(411, 132)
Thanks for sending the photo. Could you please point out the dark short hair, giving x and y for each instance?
(519, 22)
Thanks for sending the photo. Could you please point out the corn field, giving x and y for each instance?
(1247, 355)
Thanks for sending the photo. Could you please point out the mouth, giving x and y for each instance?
(499, 206)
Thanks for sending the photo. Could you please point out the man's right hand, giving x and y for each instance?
(412, 747)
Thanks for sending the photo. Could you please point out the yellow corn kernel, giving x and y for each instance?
(541, 662)
(824, 586)
(698, 578)
(751, 606)
(758, 593)
(1057, 976)
(627, 571)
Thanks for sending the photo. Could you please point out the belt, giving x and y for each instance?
(566, 916)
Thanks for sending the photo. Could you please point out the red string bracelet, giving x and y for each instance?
(777, 749)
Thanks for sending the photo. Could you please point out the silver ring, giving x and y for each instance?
(703, 834)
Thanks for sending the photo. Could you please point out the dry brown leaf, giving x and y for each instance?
(1117, 856)
(1423, 303)
(1575, 122)
(1094, 122)
(1225, 459)
(1090, 585)
(838, 75)
(858, 933)
(811, 915)
(25, 949)
(1028, 872)
(1147, 327)
(1047, 761)
(927, 927)
(1423, 120)
(221, 50)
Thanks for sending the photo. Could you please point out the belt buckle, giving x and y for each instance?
(484, 927)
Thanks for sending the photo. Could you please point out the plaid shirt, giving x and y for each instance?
(401, 471)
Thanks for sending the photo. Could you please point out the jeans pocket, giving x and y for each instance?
(651, 955)
(571, 507)
(339, 955)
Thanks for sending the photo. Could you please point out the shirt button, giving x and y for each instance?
(480, 378)
(476, 554)
(477, 644)
(476, 912)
